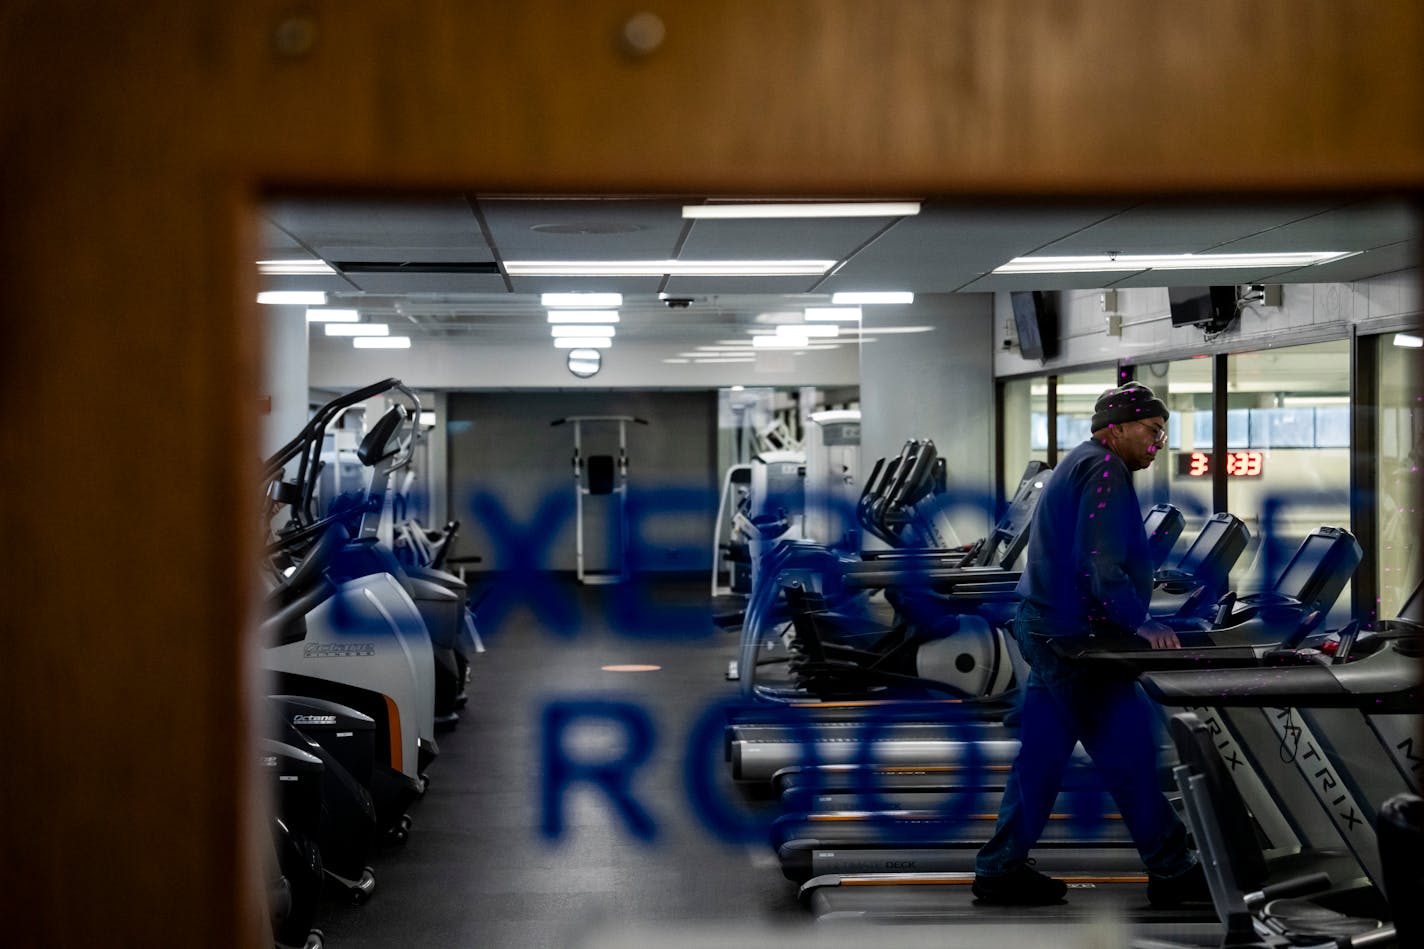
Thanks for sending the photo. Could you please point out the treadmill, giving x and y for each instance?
(1325, 792)
(857, 837)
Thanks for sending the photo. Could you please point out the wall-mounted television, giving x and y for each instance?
(1036, 322)
(1210, 307)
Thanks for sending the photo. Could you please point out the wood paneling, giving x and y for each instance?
(138, 139)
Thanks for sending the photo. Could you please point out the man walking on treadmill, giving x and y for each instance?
(1089, 574)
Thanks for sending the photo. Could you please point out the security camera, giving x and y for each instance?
(677, 303)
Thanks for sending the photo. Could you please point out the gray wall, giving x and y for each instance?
(937, 384)
(284, 374)
(501, 445)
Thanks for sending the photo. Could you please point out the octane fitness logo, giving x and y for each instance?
(521, 549)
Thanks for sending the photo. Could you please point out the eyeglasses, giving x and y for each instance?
(1158, 433)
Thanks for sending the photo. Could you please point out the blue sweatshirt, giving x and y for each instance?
(1088, 565)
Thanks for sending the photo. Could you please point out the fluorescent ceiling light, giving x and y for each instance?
(381, 342)
(803, 209)
(713, 360)
(729, 348)
(309, 267)
(427, 419)
(889, 330)
(581, 299)
(666, 268)
(293, 297)
(809, 329)
(1408, 340)
(833, 314)
(583, 342)
(872, 296)
(583, 316)
(677, 362)
(357, 329)
(582, 330)
(1133, 262)
(332, 315)
(780, 341)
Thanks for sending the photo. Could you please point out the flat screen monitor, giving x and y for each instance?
(1202, 306)
(1036, 324)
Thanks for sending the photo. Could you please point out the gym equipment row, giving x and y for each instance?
(367, 655)
(907, 800)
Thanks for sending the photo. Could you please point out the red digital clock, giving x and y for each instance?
(1239, 464)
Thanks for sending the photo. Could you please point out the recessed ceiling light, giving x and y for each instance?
(1116, 263)
(581, 299)
(833, 314)
(293, 297)
(583, 316)
(677, 362)
(890, 330)
(381, 342)
(803, 209)
(712, 360)
(1408, 340)
(582, 329)
(666, 268)
(858, 297)
(780, 341)
(809, 329)
(357, 329)
(583, 342)
(631, 667)
(332, 315)
(308, 267)
(427, 418)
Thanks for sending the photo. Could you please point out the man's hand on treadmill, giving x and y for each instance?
(1159, 635)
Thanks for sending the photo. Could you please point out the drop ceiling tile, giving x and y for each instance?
(390, 230)
(427, 282)
(1176, 229)
(583, 229)
(945, 248)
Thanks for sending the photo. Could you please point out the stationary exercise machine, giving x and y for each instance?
(602, 475)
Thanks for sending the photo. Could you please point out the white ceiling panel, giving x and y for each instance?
(1176, 229)
(943, 249)
(787, 239)
(394, 231)
(583, 229)
(427, 282)
(1354, 227)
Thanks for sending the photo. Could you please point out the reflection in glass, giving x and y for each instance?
(1399, 436)
(1275, 399)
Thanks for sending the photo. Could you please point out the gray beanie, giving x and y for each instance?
(1127, 403)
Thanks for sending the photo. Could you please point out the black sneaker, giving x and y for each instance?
(1188, 887)
(1024, 886)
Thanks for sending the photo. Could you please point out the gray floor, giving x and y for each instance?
(477, 872)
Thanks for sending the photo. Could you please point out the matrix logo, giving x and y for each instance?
(313, 719)
(337, 650)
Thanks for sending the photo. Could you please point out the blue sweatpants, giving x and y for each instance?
(1065, 703)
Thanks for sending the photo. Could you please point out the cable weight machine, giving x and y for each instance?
(601, 475)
